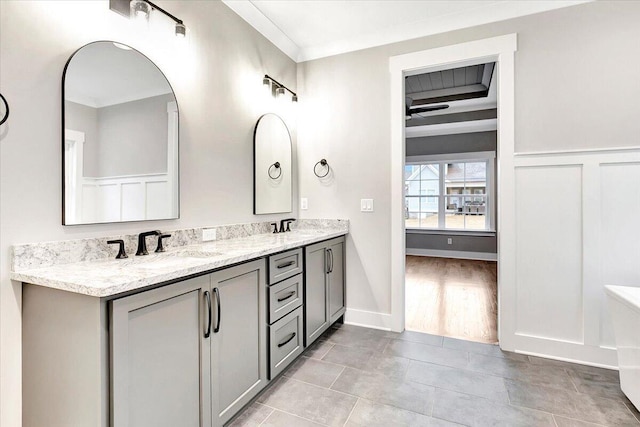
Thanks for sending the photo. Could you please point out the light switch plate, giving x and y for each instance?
(304, 203)
(208, 234)
(366, 205)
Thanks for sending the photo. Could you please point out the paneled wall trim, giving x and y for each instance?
(577, 230)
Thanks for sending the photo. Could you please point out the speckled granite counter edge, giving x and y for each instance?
(89, 277)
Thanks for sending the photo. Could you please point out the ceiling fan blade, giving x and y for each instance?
(412, 111)
(427, 109)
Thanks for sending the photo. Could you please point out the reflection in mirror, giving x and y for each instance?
(120, 140)
(271, 166)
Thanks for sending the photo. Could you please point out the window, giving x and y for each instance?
(450, 194)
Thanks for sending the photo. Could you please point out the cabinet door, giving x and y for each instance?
(160, 358)
(239, 337)
(336, 279)
(316, 296)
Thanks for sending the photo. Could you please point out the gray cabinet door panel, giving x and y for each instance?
(239, 348)
(160, 358)
(336, 280)
(315, 305)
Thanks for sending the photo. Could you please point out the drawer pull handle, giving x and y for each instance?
(291, 336)
(289, 295)
(286, 264)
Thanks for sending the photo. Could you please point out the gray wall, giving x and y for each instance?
(459, 243)
(122, 139)
(84, 119)
(217, 76)
(133, 137)
(450, 144)
(568, 62)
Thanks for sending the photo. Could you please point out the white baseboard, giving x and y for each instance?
(368, 319)
(480, 256)
(599, 356)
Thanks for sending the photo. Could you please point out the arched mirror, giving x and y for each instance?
(271, 166)
(120, 137)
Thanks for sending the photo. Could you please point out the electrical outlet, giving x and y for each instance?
(208, 234)
(366, 205)
(449, 241)
(304, 203)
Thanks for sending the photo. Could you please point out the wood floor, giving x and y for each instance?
(452, 297)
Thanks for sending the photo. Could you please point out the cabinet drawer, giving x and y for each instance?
(284, 265)
(284, 297)
(285, 341)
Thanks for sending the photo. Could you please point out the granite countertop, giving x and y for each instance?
(107, 277)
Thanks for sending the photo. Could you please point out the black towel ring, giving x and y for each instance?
(277, 167)
(6, 113)
(324, 163)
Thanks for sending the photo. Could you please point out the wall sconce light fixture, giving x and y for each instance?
(278, 89)
(141, 9)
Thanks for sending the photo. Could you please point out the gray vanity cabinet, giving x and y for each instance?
(160, 358)
(336, 279)
(324, 286)
(192, 353)
(238, 337)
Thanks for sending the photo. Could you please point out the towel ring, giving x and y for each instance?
(6, 113)
(277, 167)
(324, 163)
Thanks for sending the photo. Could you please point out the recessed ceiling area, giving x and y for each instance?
(454, 84)
(455, 100)
(311, 29)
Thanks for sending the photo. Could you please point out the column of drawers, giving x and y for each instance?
(286, 294)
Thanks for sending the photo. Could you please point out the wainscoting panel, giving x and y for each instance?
(549, 252)
(126, 198)
(158, 200)
(620, 233)
(132, 201)
(577, 230)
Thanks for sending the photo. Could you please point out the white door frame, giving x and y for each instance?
(502, 50)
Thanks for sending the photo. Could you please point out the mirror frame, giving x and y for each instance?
(255, 131)
(177, 177)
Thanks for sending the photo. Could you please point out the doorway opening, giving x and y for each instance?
(499, 50)
(450, 201)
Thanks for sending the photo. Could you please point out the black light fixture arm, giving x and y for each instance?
(159, 9)
(266, 76)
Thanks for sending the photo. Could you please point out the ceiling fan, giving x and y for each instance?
(410, 111)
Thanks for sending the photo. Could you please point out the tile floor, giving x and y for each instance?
(363, 377)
